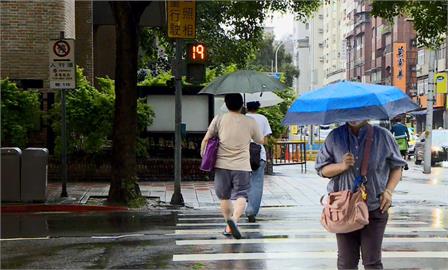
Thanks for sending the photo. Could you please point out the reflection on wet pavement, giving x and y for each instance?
(288, 238)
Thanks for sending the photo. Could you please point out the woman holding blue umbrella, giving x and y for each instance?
(341, 156)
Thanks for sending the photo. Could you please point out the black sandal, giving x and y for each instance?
(226, 233)
(234, 229)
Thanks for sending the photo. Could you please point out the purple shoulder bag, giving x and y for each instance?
(210, 154)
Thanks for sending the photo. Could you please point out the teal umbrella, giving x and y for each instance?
(243, 81)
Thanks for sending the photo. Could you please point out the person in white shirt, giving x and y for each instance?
(257, 176)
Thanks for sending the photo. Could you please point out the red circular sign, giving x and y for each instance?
(61, 48)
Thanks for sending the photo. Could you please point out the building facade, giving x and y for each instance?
(308, 53)
(335, 26)
(26, 29)
(359, 45)
(440, 102)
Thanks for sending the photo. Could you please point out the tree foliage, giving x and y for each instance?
(90, 116)
(232, 30)
(20, 112)
(429, 18)
(277, 113)
(265, 59)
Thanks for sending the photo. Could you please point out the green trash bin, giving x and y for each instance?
(34, 175)
(10, 168)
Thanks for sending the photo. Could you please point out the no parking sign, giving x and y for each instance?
(62, 68)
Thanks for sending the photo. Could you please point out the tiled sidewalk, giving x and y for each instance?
(287, 188)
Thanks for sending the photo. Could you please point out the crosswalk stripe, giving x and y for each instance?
(25, 239)
(296, 255)
(287, 219)
(298, 230)
(303, 240)
(298, 222)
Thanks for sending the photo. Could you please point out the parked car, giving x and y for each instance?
(439, 147)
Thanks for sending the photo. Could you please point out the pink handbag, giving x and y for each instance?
(346, 211)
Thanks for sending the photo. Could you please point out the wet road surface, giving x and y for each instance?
(286, 237)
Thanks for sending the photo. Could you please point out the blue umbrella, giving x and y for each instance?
(348, 101)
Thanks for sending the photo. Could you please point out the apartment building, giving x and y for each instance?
(440, 104)
(308, 53)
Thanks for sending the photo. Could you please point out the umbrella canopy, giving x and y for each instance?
(348, 101)
(242, 81)
(266, 99)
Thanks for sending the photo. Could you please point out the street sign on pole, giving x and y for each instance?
(181, 25)
(62, 72)
(275, 75)
(182, 19)
(177, 198)
(62, 68)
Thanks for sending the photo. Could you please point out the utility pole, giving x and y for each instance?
(429, 113)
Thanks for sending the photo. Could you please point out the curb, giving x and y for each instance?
(59, 208)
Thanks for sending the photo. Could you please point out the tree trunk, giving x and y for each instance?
(124, 187)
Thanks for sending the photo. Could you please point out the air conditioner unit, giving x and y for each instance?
(418, 68)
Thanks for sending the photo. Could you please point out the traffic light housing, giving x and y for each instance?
(197, 55)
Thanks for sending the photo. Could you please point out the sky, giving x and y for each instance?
(282, 23)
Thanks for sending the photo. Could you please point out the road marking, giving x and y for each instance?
(298, 230)
(295, 255)
(117, 236)
(288, 219)
(331, 239)
(298, 222)
(25, 239)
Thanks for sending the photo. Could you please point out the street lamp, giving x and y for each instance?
(276, 51)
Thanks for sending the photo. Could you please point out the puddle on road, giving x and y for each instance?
(83, 225)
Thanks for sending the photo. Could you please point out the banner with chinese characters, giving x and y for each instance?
(399, 66)
(182, 19)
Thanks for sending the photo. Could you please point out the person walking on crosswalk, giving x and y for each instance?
(232, 169)
(340, 159)
(257, 177)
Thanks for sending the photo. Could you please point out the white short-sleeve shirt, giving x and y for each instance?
(265, 128)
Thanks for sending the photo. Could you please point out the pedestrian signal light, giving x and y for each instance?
(197, 53)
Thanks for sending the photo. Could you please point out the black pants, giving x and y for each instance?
(368, 240)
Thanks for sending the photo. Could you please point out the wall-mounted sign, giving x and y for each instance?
(399, 66)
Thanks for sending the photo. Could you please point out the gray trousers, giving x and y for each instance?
(368, 240)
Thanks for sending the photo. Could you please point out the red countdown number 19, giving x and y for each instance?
(198, 50)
